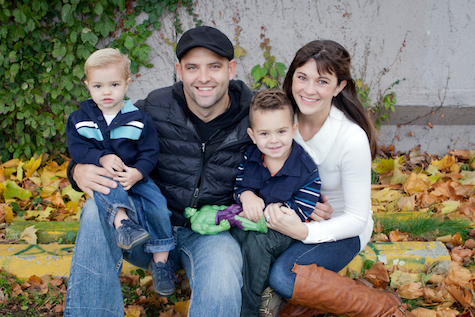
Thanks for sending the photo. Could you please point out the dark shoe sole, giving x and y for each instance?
(135, 243)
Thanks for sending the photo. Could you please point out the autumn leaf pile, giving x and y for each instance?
(419, 182)
(439, 187)
(443, 187)
(38, 190)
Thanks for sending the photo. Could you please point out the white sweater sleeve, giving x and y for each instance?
(348, 162)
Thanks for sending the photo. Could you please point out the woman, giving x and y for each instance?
(336, 132)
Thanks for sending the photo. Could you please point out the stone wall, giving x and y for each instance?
(426, 45)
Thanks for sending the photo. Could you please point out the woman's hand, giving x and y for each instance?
(91, 178)
(285, 221)
(322, 211)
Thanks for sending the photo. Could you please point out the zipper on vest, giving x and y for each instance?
(198, 184)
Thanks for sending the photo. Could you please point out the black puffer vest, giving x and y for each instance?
(183, 175)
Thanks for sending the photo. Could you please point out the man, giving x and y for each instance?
(201, 122)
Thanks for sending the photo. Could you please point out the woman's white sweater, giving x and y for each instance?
(341, 151)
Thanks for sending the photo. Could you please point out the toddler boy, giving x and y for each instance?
(274, 170)
(112, 133)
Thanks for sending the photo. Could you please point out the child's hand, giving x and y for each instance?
(252, 206)
(128, 177)
(112, 163)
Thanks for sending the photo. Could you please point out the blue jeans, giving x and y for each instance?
(212, 263)
(150, 208)
(333, 256)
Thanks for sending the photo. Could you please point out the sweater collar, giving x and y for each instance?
(320, 145)
(291, 166)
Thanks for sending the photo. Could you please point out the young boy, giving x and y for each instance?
(274, 170)
(110, 132)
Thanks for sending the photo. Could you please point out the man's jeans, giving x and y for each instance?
(333, 256)
(259, 251)
(150, 208)
(212, 263)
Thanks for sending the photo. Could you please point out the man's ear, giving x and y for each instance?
(232, 68)
(178, 69)
(251, 135)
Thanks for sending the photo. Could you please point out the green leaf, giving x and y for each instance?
(157, 25)
(109, 25)
(262, 72)
(66, 12)
(78, 71)
(20, 16)
(73, 36)
(12, 190)
(134, 67)
(31, 25)
(255, 72)
(273, 72)
(14, 69)
(98, 9)
(12, 56)
(129, 23)
(129, 42)
(121, 4)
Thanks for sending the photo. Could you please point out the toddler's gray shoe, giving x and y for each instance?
(131, 235)
(164, 278)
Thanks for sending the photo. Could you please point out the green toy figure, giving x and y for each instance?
(212, 219)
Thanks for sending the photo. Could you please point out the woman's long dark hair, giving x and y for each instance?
(332, 58)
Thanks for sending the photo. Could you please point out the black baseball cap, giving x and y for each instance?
(207, 37)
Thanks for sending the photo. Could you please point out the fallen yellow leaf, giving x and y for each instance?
(29, 235)
(416, 183)
(411, 290)
(450, 206)
(32, 166)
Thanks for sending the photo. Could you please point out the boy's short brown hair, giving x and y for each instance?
(269, 100)
(105, 57)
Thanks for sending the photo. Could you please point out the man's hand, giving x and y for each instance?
(112, 163)
(252, 206)
(91, 178)
(322, 211)
(128, 177)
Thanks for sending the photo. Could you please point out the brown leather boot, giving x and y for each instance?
(318, 288)
(291, 310)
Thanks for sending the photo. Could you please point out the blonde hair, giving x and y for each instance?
(105, 57)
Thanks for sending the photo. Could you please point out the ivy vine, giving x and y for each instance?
(43, 47)
(271, 71)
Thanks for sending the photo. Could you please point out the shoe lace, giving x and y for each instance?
(165, 273)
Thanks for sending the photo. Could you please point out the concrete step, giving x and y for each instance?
(414, 256)
(27, 260)
(43, 258)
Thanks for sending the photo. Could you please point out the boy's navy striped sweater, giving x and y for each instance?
(297, 184)
(131, 136)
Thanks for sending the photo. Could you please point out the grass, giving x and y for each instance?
(426, 228)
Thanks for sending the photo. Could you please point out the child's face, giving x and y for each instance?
(272, 132)
(107, 86)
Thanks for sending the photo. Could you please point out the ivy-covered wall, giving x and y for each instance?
(43, 47)
(411, 57)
